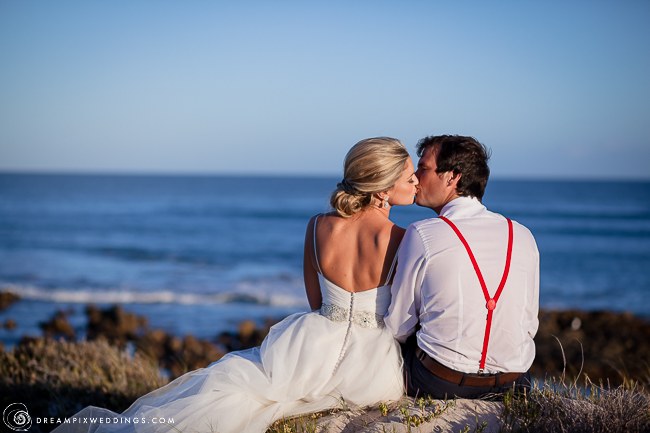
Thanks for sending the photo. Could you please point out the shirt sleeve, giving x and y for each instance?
(403, 312)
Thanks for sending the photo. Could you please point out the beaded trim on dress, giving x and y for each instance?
(364, 319)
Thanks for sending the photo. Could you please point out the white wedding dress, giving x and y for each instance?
(340, 355)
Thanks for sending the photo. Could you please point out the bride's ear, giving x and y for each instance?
(381, 196)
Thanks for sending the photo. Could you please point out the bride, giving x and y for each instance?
(339, 353)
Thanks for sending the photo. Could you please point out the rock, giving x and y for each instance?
(58, 327)
(114, 324)
(193, 355)
(248, 335)
(603, 345)
(9, 325)
(178, 355)
(174, 344)
(6, 299)
(246, 330)
(153, 344)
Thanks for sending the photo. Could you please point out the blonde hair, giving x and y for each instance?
(372, 165)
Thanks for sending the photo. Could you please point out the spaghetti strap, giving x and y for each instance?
(392, 268)
(315, 251)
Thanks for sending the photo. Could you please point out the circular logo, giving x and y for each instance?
(15, 417)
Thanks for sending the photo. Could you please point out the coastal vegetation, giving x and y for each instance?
(592, 372)
(57, 378)
(558, 407)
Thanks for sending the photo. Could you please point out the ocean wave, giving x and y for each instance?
(90, 296)
(561, 213)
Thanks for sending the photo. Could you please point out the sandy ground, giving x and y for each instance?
(438, 416)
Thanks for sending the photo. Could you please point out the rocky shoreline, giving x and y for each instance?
(605, 346)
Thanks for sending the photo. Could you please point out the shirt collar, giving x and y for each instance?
(462, 207)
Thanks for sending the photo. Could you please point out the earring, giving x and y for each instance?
(385, 202)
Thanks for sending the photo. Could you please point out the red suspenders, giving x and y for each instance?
(491, 303)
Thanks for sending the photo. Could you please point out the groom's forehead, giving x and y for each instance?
(428, 158)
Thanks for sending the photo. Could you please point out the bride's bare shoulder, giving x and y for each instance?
(323, 219)
(362, 224)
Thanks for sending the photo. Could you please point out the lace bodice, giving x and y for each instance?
(365, 309)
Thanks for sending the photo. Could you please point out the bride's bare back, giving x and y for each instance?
(355, 253)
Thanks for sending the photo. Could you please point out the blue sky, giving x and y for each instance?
(556, 89)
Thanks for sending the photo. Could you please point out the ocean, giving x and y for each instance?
(199, 254)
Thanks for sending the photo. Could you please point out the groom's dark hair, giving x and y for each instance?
(464, 155)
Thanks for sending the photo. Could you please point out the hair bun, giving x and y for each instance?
(347, 204)
(346, 186)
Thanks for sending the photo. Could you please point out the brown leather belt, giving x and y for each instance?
(464, 379)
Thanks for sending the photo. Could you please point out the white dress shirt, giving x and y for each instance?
(436, 285)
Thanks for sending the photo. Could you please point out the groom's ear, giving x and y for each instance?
(454, 178)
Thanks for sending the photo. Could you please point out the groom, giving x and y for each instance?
(465, 295)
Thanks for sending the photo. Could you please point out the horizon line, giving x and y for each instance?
(313, 175)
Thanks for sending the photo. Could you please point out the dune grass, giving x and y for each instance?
(553, 406)
(59, 378)
(558, 407)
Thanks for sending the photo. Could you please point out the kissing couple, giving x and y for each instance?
(446, 308)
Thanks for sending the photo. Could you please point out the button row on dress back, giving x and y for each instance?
(364, 319)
